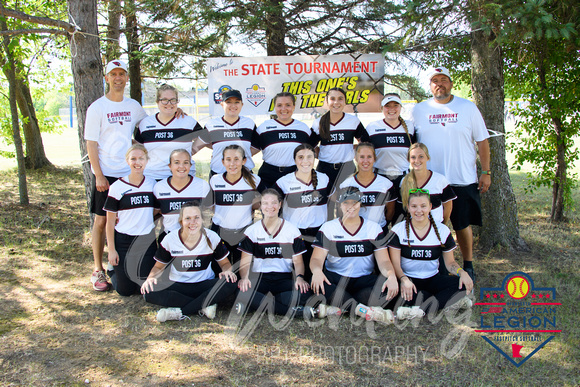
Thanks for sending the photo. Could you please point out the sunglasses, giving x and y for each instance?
(420, 190)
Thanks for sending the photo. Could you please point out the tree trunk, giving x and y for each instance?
(87, 72)
(134, 48)
(500, 216)
(112, 48)
(275, 29)
(11, 74)
(35, 156)
(557, 213)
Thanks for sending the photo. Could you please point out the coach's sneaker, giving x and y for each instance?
(406, 313)
(99, 281)
(324, 310)
(209, 311)
(463, 303)
(167, 314)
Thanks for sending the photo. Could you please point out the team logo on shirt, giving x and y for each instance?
(518, 317)
(256, 94)
(119, 117)
(217, 97)
(443, 119)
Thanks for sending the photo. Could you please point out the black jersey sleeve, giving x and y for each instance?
(220, 251)
(255, 142)
(163, 255)
(365, 136)
(394, 241)
(449, 243)
(298, 246)
(247, 246)
(360, 132)
(321, 241)
(111, 204)
(380, 241)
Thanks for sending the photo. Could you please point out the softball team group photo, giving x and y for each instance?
(338, 219)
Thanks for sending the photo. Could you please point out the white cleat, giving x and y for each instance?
(209, 311)
(167, 314)
(406, 313)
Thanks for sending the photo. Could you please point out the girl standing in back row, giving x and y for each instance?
(277, 139)
(392, 137)
(337, 132)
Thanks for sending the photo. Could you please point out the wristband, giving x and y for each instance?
(300, 275)
(458, 272)
(403, 276)
(486, 173)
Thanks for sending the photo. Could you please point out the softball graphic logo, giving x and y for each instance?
(518, 287)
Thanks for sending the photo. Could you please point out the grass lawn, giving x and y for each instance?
(55, 330)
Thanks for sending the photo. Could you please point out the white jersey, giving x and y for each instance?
(111, 125)
(304, 206)
(440, 192)
(161, 139)
(272, 253)
(221, 134)
(339, 149)
(375, 197)
(191, 266)
(277, 141)
(233, 201)
(133, 205)
(169, 200)
(450, 131)
(391, 146)
(350, 255)
(421, 259)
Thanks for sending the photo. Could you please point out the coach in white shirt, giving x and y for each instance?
(451, 127)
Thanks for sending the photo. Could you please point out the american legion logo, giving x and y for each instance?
(518, 318)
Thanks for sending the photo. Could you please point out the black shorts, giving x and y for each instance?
(467, 207)
(98, 199)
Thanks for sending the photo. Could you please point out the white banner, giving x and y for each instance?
(307, 77)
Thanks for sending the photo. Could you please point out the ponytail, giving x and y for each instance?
(324, 126)
(409, 182)
(248, 177)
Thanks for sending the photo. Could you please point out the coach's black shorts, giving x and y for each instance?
(98, 198)
(467, 206)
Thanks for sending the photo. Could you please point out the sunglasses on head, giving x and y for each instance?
(420, 190)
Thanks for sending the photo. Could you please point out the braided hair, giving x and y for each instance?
(410, 180)
(246, 173)
(324, 125)
(313, 174)
(196, 204)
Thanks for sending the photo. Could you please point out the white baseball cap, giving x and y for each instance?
(439, 70)
(390, 98)
(115, 64)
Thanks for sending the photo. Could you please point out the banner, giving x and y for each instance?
(307, 77)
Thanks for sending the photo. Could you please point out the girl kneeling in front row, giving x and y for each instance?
(350, 245)
(193, 287)
(415, 248)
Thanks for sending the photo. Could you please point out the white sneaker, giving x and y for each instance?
(406, 313)
(166, 314)
(209, 311)
(378, 314)
(463, 303)
(375, 313)
(324, 310)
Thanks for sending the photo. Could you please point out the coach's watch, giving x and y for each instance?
(486, 173)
